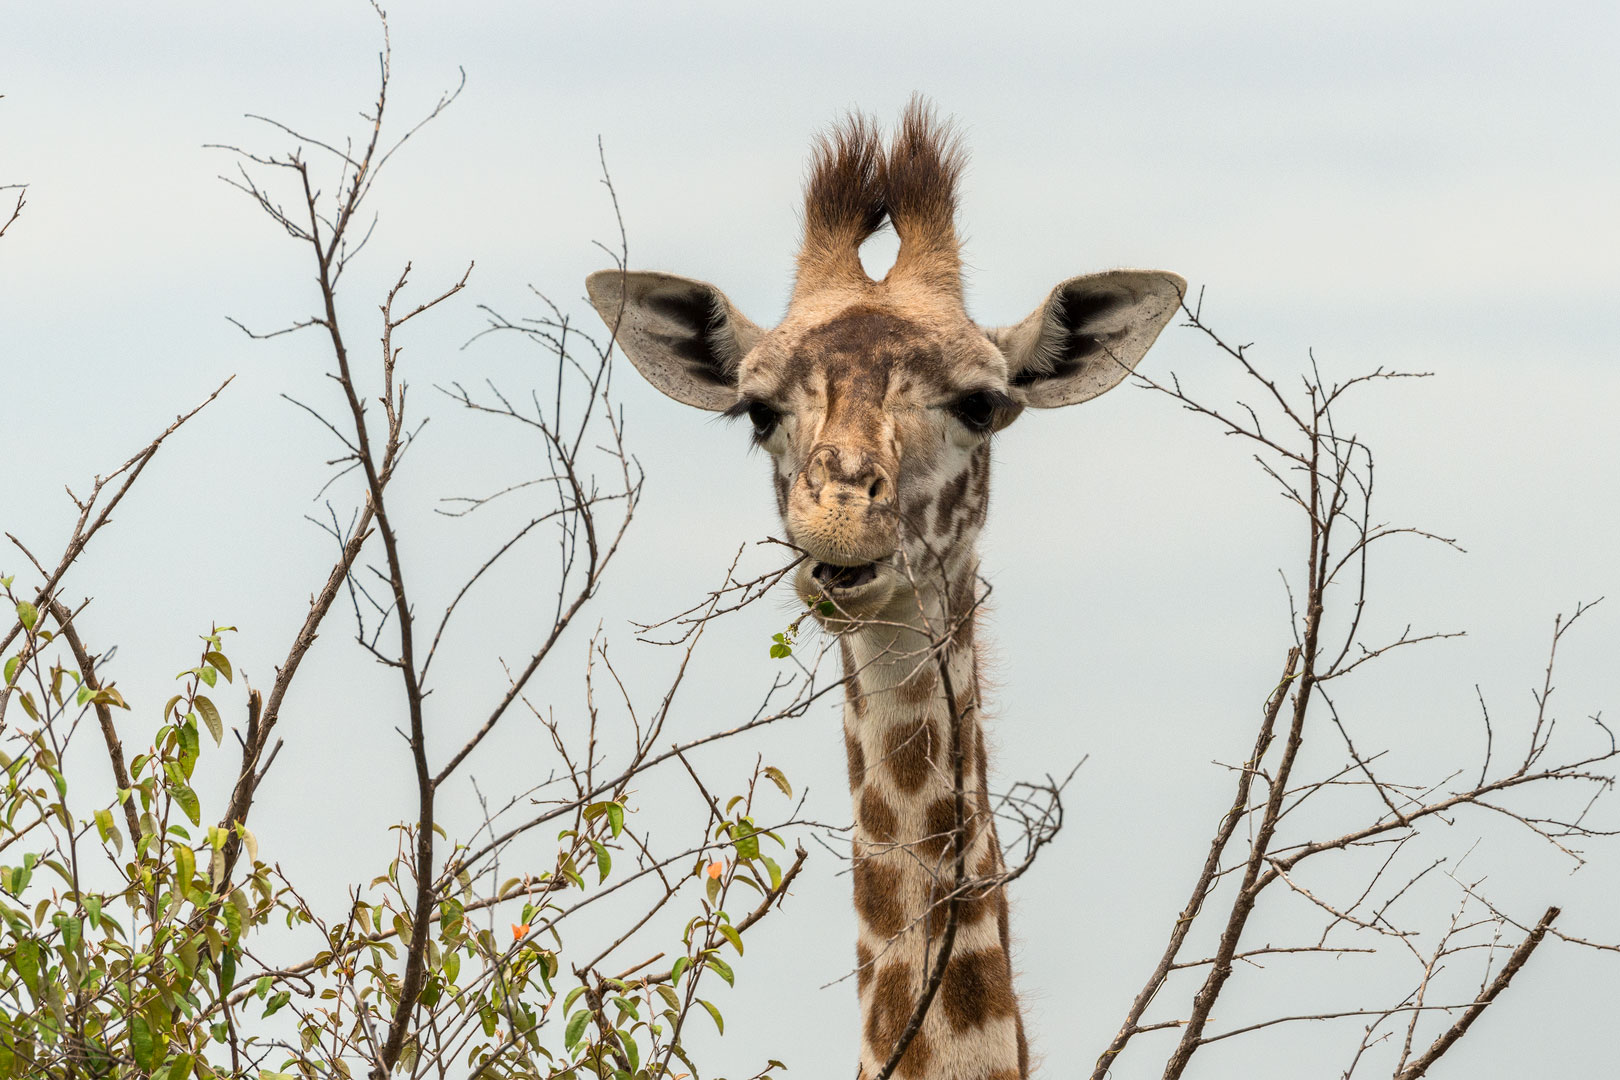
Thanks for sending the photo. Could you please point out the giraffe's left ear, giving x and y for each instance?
(1088, 335)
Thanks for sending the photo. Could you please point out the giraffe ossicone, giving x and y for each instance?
(877, 400)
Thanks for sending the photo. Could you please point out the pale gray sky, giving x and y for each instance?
(1426, 186)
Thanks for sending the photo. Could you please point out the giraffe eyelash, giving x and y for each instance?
(978, 410)
(764, 417)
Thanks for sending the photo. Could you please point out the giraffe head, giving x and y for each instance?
(877, 400)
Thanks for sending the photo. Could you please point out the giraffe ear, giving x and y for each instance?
(683, 335)
(1088, 335)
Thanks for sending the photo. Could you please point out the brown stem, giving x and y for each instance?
(1206, 877)
(91, 520)
(1247, 894)
(115, 748)
(1488, 995)
(262, 719)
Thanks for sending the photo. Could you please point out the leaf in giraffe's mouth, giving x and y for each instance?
(843, 577)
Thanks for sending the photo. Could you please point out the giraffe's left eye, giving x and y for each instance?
(977, 411)
(764, 419)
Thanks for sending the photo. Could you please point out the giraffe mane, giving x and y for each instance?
(920, 176)
(843, 201)
(856, 185)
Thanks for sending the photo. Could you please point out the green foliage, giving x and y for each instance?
(115, 949)
(125, 920)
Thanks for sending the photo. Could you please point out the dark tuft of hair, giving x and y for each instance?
(920, 174)
(843, 197)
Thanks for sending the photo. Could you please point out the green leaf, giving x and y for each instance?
(774, 870)
(27, 613)
(25, 958)
(189, 747)
(630, 1050)
(722, 969)
(781, 652)
(250, 840)
(719, 1022)
(675, 972)
(104, 824)
(745, 839)
(11, 668)
(576, 1028)
(210, 716)
(615, 813)
(729, 932)
(219, 661)
(775, 776)
(187, 799)
(72, 930)
(604, 862)
(208, 674)
(277, 1000)
(185, 867)
(92, 907)
(172, 703)
(140, 1040)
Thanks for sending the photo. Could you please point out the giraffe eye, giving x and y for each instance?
(977, 411)
(764, 419)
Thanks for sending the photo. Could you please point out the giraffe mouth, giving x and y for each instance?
(833, 577)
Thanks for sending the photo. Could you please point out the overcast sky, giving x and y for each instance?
(1423, 186)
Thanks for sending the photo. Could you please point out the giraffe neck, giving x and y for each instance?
(897, 730)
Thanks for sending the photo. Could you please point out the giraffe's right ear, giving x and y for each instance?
(684, 336)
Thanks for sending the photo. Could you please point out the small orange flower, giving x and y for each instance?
(520, 931)
(716, 868)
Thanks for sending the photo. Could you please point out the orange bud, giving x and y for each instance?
(716, 868)
(519, 931)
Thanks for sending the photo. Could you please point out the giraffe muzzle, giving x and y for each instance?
(855, 593)
(834, 578)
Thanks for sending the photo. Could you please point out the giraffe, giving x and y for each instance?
(876, 402)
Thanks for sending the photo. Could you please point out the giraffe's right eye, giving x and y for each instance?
(764, 419)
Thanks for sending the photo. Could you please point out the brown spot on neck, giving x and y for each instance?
(890, 1007)
(918, 686)
(877, 896)
(856, 759)
(909, 751)
(877, 816)
(977, 988)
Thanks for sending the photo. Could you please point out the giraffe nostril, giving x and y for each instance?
(881, 489)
